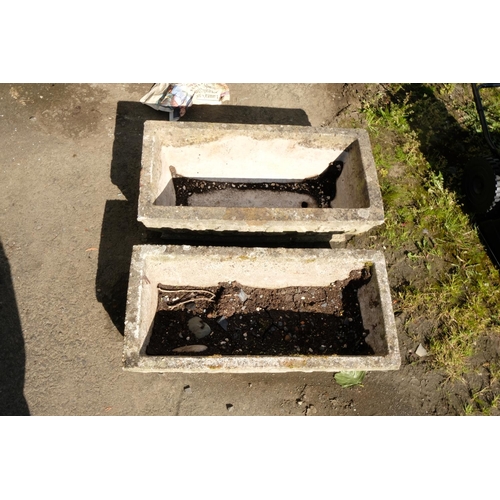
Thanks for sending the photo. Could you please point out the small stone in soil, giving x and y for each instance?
(187, 389)
(223, 323)
(197, 326)
(421, 351)
(311, 410)
(190, 348)
(242, 296)
(229, 407)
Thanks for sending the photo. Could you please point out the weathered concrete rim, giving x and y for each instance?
(134, 358)
(349, 220)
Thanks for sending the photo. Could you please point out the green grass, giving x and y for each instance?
(424, 216)
(491, 104)
(482, 403)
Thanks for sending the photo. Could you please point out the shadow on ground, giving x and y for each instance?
(448, 147)
(12, 353)
(120, 229)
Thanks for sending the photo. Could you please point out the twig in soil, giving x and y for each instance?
(187, 301)
(164, 290)
(173, 306)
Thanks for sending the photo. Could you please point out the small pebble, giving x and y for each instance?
(191, 348)
(421, 351)
(187, 389)
(223, 323)
(311, 410)
(242, 296)
(197, 326)
(229, 407)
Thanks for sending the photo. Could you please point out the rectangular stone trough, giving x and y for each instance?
(177, 265)
(270, 156)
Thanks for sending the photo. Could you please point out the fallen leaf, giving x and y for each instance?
(348, 379)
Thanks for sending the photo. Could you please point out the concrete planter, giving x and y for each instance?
(256, 267)
(257, 154)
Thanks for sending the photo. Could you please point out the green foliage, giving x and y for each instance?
(491, 104)
(350, 378)
(424, 217)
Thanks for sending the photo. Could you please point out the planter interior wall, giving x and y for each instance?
(256, 267)
(271, 157)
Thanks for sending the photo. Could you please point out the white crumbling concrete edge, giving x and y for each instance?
(260, 219)
(137, 324)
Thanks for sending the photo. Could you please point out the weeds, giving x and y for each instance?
(468, 410)
(425, 220)
(482, 403)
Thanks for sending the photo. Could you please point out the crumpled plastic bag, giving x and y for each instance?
(175, 98)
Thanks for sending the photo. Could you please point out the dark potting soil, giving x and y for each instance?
(321, 187)
(261, 321)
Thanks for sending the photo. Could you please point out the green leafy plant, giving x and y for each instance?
(349, 378)
(424, 219)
